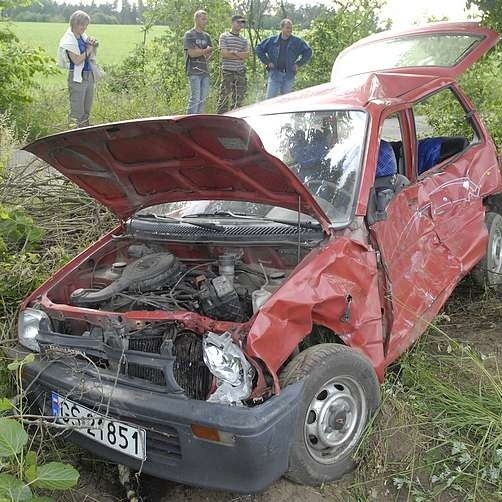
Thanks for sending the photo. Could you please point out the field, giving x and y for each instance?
(116, 41)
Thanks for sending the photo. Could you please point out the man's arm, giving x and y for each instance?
(243, 54)
(225, 52)
(196, 52)
(192, 50)
(305, 54)
(262, 52)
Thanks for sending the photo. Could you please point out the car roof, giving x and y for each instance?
(357, 92)
(383, 87)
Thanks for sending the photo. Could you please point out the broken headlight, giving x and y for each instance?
(28, 327)
(229, 365)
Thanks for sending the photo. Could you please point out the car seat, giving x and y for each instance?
(429, 151)
(388, 182)
(432, 151)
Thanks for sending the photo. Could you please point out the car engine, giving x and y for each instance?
(225, 289)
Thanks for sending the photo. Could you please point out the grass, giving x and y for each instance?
(115, 41)
(439, 433)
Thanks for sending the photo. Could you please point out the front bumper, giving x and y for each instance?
(261, 435)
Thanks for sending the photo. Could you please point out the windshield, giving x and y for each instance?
(443, 49)
(323, 148)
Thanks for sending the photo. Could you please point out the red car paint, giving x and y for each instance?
(376, 287)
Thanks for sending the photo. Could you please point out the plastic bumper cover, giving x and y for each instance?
(257, 455)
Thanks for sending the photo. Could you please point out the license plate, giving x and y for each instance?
(116, 435)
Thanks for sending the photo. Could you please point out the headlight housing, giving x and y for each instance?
(28, 327)
(229, 365)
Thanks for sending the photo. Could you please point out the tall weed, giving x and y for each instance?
(440, 429)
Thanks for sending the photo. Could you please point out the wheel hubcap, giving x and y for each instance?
(496, 252)
(335, 419)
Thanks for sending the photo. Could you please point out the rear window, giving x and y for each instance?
(442, 49)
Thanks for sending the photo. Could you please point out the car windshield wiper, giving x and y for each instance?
(228, 214)
(301, 224)
(222, 214)
(209, 225)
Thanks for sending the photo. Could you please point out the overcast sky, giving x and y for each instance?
(403, 13)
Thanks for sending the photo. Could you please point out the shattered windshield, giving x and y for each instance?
(323, 148)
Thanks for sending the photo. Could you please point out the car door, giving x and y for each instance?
(434, 231)
(416, 264)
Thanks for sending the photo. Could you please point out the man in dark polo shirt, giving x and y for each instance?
(234, 50)
(198, 50)
(283, 54)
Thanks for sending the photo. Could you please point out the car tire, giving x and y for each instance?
(488, 272)
(340, 394)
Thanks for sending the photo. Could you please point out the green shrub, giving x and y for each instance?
(21, 469)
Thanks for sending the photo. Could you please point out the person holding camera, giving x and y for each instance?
(77, 53)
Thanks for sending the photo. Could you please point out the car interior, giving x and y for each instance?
(434, 150)
(388, 180)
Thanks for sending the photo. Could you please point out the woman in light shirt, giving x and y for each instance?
(77, 53)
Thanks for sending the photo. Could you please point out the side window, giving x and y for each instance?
(391, 133)
(443, 129)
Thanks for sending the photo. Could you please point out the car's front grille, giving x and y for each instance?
(169, 360)
(190, 372)
(153, 375)
(146, 343)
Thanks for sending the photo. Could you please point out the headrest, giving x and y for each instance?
(386, 164)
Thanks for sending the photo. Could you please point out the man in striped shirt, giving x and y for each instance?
(234, 50)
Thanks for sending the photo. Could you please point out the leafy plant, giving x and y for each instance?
(338, 28)
(20, 470)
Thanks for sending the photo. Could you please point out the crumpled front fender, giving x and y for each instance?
(335, 286)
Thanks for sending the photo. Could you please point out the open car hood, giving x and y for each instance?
(135, 164)
(438, 49)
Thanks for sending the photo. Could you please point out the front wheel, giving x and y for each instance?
(340, 394)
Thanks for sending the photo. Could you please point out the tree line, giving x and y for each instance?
(129, 12)
(49, 11)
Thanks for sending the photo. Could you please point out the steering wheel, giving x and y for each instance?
(329, 191)
(321, 188)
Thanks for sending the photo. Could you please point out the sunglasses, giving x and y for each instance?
(242, 22)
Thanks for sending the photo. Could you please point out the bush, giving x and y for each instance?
(482, 85)
(333, 32)
(18, 66)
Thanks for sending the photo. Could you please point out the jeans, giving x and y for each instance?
(199, 91)
(233, 88)
(81, 98)
(279, 83)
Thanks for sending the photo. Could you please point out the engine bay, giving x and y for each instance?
(224, 287)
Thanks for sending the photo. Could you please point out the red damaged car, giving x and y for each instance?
(269, 266)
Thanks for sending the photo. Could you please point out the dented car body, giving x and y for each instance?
(190, 336)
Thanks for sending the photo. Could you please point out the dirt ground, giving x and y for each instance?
(100, 483)
(471, 316)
